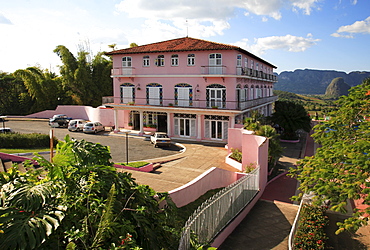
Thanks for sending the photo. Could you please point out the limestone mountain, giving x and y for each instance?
(310, 81)
(337, 88)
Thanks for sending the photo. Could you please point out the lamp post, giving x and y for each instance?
(126, 132)
(51, 145)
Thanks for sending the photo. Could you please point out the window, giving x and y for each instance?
(146, 61)
(183, 95)
(127, 93)
(256, 66)
(239, 60)
(126, 61)
(216, 127)
(185, 125)
(246, 62)
(191, 59)
(160, 61)
(239, 65)
(215, 64)
(154, 94)
(216, 96)
(175, 60)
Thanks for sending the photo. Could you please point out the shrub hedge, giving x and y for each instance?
(311, 228)
(17, 140)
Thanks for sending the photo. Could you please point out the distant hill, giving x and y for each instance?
(310, 81)
(337, 88)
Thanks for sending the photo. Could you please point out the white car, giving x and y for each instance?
(160, 139)
(76, 125)
(93, 127)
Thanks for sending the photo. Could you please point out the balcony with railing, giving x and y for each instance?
(207, 70)
(199, 104)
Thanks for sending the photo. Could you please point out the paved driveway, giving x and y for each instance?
(139, 147)
(177, 168)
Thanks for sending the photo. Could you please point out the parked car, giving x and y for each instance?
(76, 125)
(6, 130)
(58, 121)
(93, 127)
(160, 139)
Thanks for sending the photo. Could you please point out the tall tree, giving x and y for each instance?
(291, 117)
(87, 81)
(44, 87)
(339, 171)
(14, 98)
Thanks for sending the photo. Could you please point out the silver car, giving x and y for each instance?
(76, 125)
(93, 127)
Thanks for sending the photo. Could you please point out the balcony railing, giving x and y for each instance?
(202, 70)
(203, 104)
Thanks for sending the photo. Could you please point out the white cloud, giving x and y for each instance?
(4, 20)
(206, 17)
(288, 43)
(357, 27)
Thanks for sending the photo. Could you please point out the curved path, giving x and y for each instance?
(177, 170)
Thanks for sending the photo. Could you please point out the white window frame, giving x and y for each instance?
(191, 59)
(160, 61)
(215, 64)
(175, 60)
(126, 94)
(146, 61)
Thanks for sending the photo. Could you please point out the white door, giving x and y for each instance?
(126, 94)
(216, 130)
(215, 97)
(154, 96)
(215, 64)
(183, 97)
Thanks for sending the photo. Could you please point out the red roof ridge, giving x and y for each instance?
(181, 45)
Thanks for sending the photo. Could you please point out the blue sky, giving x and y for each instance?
(291, 34)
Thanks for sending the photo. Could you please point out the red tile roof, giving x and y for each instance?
(182, 44)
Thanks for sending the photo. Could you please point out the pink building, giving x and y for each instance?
(190, 88)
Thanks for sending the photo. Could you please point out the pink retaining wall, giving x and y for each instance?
(102, 114)
(211, 179)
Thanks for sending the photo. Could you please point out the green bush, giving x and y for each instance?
(236, 154)
(17, 140)
(311, 228)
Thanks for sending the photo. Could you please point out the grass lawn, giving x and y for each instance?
(21, 150)
(137, 164)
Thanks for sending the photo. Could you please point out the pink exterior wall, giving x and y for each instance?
(211, 179)
(181, 75)
(102, 114)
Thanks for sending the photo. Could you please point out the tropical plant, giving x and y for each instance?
(80, 201)
(43, 87)
(85, 80)
(340, 168)
(275, 149)
(14, 98)
(291, 117)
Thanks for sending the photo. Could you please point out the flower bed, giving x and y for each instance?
(310, 233)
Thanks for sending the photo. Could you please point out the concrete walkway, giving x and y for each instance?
(179, 169)
(268, 224)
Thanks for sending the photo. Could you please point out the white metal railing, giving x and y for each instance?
(306, 199)
(217, 212)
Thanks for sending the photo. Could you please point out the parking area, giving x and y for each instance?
(139, 148)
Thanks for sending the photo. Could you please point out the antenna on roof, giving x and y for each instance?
(187, 28)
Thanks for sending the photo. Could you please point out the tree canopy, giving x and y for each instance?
(340, 169)
(80, 202)
(85, 80)
(291, 117)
